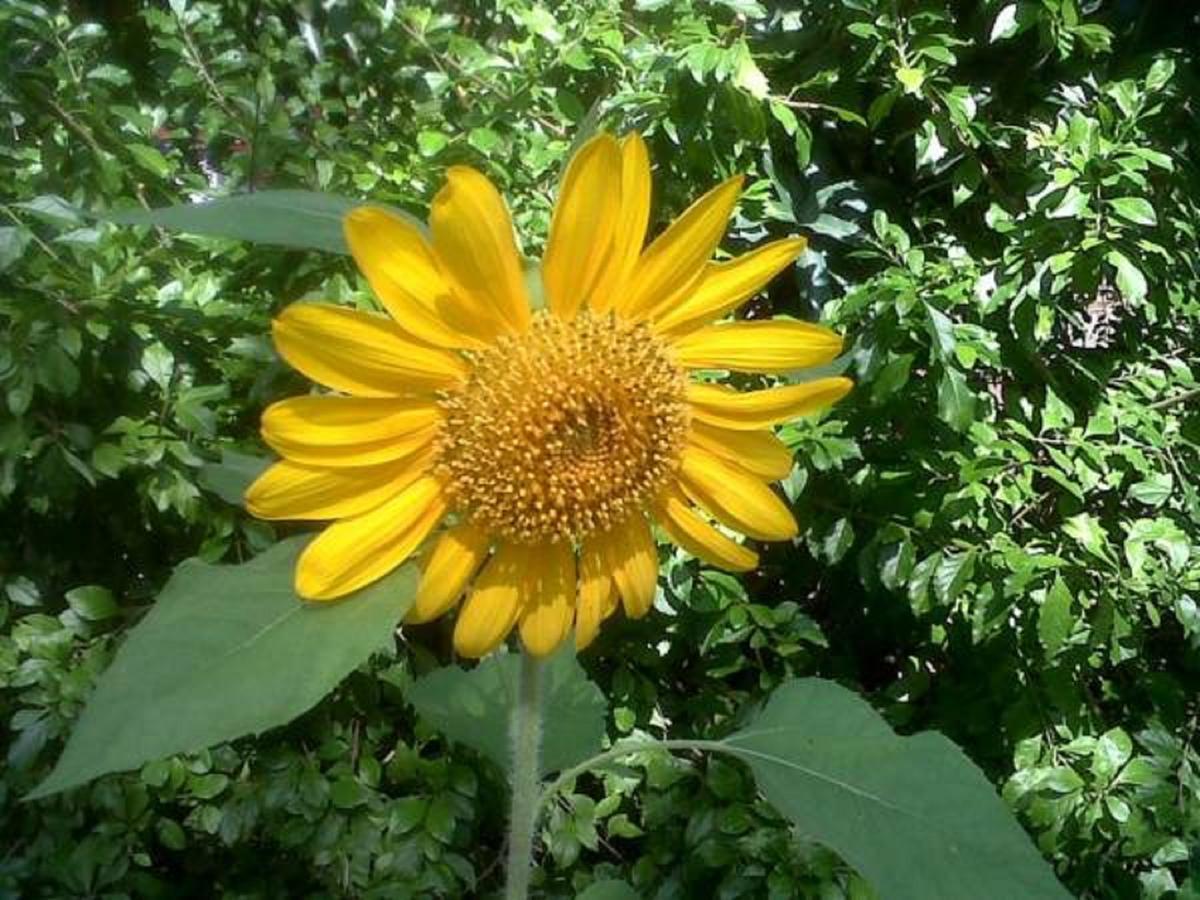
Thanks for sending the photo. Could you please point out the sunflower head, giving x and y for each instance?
(539, 445)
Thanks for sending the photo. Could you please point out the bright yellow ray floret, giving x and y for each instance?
(530, 451)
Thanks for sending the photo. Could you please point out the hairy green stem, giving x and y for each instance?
(526, 727)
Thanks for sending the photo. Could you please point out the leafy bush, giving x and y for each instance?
(1002, 522)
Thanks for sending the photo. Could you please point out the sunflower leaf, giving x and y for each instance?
(225, 651)
(306, 220)
(472, 707)
(913, 815)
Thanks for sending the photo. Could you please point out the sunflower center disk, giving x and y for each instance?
(564, 430)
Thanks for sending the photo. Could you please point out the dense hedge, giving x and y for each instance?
(1002, 523)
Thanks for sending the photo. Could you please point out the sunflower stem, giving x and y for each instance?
(526, 729)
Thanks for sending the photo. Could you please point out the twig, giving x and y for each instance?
(1172, 401)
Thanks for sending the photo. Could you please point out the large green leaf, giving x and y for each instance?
(291, 218)
(473, 707)
(225, 651)
(229, 478)
(912, 814)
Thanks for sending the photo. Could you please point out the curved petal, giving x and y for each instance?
(491, 608)
(675, 261)
(290, 490)
(769, 346)
(597, 595)
(581, 231)
(628, 551)
(352, 553)
(725, 286)
(349, 431)
(447, 570)
(549, 605)
(758, 452)
(735, 497)
(403, 272)
(749, 410)
(630, 231)
(687, 529)
(473, 239)
(360, 353)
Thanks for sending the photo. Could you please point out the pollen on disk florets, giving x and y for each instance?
(564, 430)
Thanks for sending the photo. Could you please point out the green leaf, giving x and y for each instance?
(952, 575)
(1154, 490)
(13, 241)
(913, 815)
(1130, 280)
(292, 218)
(1006, 24)
(1135, 209)
(225, 651)
(229, 478)
(911, 79)
(610, 889)
(956, 402)
(1055, 619)
(472, 707)
(92, 602)
(150, 160)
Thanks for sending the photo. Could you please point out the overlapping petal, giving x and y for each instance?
(629, 554)
(735, 497)
(769, 346)
(404, 274)
(352, 553)
(758, 452)
(491, 608)
(748, 410)
(629, 235)
(674, 262)
(361, 353)
(349, 431)
(686, 528)
(725, 286)
(581, 231)
(548, 607)
(597, 595)
(290, 490)
(473, 240)
(448, 569)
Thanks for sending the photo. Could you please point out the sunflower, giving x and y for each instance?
(544, 441)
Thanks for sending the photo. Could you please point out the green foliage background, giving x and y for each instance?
(1002, 522)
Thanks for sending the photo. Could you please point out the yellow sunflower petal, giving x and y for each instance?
(491, 608)
(360, 353)
(448, 569)
(290, 490)
(581, 230)
(735, 496)
(749, 410)
(725, 286)
(473, 239)
(769, 346)
(403, 272)
(349, 431)
(597, 595)
(630, 234)
(687, 529)
(631, 557)
(758, 452)
(549, 606)
(675, 261)
(354, 552)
